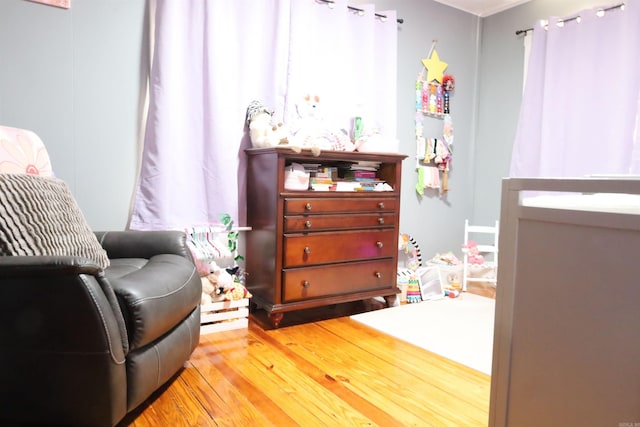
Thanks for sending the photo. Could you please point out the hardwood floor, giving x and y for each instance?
(320, 368)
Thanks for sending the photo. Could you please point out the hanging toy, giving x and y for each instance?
(442, 160)
(448, 84)
(432, 97)
(447, 131)
(425, 98)
(446, 103)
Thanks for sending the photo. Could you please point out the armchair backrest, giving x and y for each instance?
(22, 151)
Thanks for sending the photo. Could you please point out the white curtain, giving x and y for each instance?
(347, 58)
(526, 43)
(580, 104)
(213, 57)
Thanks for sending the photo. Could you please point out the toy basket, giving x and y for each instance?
(224, 315)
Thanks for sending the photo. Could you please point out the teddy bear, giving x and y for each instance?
(236, 292)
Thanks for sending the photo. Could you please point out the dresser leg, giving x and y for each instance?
(275, 319)
(392, 300)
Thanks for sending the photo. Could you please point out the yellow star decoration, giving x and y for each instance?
(435, 67)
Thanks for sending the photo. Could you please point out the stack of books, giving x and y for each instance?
(324, 178)
(364, 173)
(348, 176)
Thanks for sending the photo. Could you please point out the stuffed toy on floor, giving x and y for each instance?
(220, 285)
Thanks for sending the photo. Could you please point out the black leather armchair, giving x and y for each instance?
(85, 346)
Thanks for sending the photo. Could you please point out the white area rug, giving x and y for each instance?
(460, 329)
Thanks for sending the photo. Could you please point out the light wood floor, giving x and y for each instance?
(315, 372)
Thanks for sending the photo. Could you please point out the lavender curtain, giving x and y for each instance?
(580, 106)
(211, 59)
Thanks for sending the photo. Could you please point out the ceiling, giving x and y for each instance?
(482, 7)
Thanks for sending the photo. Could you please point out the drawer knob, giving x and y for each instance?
(379, 244)
(307, 224)
(307, 250)
(308, 206)
(378, 274)
(381, 205)
(380, 220)
(306, 284)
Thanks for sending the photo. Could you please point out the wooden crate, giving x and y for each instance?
(224, 315)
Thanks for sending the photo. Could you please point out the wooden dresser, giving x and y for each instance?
(312, 248)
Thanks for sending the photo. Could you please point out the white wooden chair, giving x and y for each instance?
(487, 245)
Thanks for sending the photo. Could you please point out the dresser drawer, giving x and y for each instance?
(326, 247)
(311, 205)
(297, 223)
(323, 281)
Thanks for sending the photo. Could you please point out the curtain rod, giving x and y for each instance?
(573, 18)
(355, 9)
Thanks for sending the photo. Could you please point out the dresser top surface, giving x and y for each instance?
(307, 155)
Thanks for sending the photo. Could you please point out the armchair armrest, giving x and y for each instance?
(44, 284)
(143, 244)
(46, 266)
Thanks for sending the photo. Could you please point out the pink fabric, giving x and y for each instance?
(22, 151)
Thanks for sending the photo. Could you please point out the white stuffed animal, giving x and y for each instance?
(224, 285)
(208, 291)
(217, 282)
(260, 128)
(262, 132)
(312, 131)
(220, 278)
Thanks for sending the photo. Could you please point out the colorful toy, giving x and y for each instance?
(448, 82)
(451, 293)
(433, 100)
(413, 290)
(410, 247)
(473, 254)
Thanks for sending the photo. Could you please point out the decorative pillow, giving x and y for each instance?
(39, 216)
(22, 151)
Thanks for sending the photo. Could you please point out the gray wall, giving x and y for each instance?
(436, 222)
(75, 77)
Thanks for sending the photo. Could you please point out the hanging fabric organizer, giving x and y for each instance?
(210, 243)
(433, 100)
